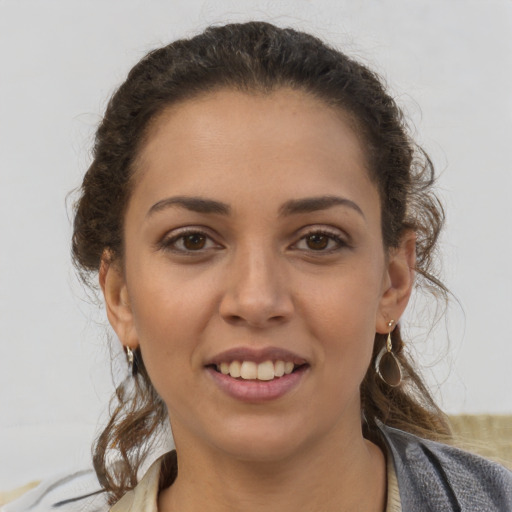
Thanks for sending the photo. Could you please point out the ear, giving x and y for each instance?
(117, 303)
(398, 282)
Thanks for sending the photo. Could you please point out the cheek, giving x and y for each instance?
(342, 314)
(166, 297)
(168, 317)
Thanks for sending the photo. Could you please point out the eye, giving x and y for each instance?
(188, 242)
(320, 241)
(193, 241)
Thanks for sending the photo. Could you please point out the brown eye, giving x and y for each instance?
(317, 241)
(194, 241)
(189, 242)
(322, 242)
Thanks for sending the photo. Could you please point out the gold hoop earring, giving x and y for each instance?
(387, 366)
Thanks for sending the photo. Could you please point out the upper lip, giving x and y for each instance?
(256, 355)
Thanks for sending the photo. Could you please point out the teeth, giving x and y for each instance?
(279, 368)
(249, 370)
(234, 369)
(288, 367)
(266, 370)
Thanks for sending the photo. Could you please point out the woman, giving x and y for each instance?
(257, 214)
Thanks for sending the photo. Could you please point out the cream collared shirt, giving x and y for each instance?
(144, 498)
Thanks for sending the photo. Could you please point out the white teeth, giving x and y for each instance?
(266, 370)
(234, 369)
(249, 370)
(279, 368)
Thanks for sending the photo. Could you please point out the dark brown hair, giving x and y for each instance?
(255, 57)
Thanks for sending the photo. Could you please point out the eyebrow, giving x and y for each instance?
(194, 204)
(314, 204)
(292, 207)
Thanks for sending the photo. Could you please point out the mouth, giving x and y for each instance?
(264, 371)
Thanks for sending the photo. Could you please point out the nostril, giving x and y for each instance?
(234, 319)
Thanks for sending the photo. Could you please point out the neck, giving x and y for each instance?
(347, 474)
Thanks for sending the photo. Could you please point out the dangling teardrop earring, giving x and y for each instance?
(387, 366)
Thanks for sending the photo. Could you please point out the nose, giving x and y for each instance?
(256, 292)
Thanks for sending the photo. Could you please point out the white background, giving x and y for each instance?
(449, 64)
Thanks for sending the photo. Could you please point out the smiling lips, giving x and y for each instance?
(257, 374)
(249, 370)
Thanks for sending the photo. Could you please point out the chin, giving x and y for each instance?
(262, 449)
(267, 441)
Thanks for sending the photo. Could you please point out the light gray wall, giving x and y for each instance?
(449, 63)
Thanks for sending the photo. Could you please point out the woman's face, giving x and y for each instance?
(253, 239)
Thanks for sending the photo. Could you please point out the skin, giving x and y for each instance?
(257, 278)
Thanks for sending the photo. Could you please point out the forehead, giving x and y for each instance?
(254, 141)
(258, 112)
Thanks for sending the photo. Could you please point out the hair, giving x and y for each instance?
(255, 57)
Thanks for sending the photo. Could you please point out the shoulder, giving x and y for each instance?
(435, 476)
(75, 491)
(80, 491)
(144, 496)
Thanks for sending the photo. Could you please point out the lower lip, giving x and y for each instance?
(257, 390)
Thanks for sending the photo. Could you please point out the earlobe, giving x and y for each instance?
(399, 281)
(117, 303)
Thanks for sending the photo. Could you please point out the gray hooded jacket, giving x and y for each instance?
(434, 477)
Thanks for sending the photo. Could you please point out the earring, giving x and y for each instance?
(130, 358)
(387, 366)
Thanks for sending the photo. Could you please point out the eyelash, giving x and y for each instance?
(339, 241)
(170, 243)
